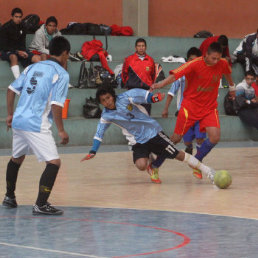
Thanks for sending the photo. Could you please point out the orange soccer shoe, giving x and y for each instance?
(197, 173)
(154, 174)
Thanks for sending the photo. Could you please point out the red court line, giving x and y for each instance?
(184, 243)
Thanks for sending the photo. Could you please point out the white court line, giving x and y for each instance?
(50, 250)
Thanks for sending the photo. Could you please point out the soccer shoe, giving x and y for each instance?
(154, 174)
(73, 57)
(9, 202)
(197, 173)
(46, 209)
(80, 56)
(211, 175)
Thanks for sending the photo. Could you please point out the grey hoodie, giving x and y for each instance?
(40, 41)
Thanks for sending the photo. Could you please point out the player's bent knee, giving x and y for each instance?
(18, 160)
(56, 162)
(141, 164)
(214, 139)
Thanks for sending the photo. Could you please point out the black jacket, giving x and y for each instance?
(12, 37)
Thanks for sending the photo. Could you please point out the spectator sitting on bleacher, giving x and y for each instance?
(255, 85)
(12, 43)
(222, 40)
(247, 52)
(247, 101)
(42, 37)
(139, 69)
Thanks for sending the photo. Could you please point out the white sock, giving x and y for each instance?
(16, 71)
(195, 163)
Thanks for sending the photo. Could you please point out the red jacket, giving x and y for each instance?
(90, 48)
(206, 43)
(255, 86)
(121, 31)
(137, 73)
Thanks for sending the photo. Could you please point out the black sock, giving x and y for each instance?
(46, 183)
(11, 178)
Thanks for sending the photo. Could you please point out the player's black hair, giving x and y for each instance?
(16, 10)
(103, 90)
(214, 47)
(140, 40)
(223, 40)
(51, 19)
(249, 73)
(58, 45)
(193, 51)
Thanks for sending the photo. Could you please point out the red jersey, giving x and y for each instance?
(255, 86)
(137, 73)
(202, 83)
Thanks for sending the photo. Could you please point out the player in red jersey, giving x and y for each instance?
(203, 76)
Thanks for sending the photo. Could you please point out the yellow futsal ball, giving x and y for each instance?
(222, 179)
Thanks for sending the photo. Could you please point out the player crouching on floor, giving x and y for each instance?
(126, 112)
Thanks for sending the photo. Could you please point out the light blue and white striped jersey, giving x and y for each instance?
(130, 116)
(40, 85)
(177, 88)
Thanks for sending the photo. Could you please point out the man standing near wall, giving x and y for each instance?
(139, 69)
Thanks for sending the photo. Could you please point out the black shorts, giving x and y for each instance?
(5, 55)
(159, 145)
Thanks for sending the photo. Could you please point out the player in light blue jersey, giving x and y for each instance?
(42, 88)
(125, 111)
(177, 88)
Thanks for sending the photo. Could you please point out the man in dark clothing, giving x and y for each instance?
(139, 69)
(12, 43)
(247, 53)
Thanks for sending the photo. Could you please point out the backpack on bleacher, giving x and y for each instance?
(91, 108)
(83, 81)
(31, 23)
(203, 34)
(229, 106)
(99, 76)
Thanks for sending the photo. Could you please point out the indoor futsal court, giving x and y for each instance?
(113, 210)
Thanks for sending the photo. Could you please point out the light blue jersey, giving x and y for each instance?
(177, 88)
(39, 86)
(130, 116)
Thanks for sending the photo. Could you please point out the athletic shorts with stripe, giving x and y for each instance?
(187, 118)
(159, 145)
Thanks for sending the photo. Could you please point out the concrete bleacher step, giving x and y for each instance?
(82, 131)
(78, 96)
(157, 47)
(74, 71)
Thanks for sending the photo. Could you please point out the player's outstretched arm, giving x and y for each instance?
(157, 97)
(167, 104)
(163, 83)
(88, 156)
(93, 151)
(57, 114)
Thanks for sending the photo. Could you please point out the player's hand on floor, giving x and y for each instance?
(88, 156)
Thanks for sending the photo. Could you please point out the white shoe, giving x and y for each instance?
(70, 86)
(211, 174)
